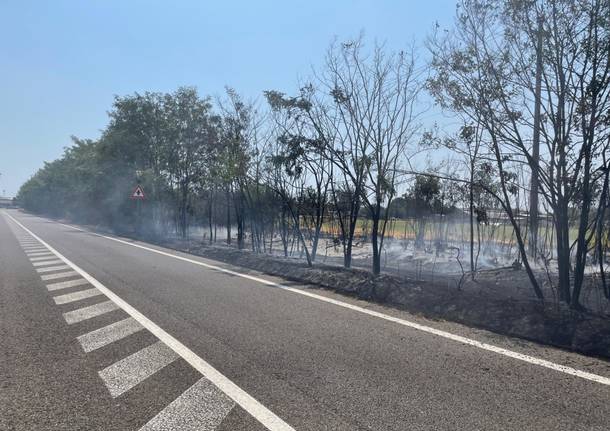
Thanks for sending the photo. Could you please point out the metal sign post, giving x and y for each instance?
(138, 195)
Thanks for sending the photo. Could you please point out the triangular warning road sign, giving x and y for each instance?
(138, 193)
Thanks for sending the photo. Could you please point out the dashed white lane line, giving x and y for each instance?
(109, 334)
(65, 284)
(202, 407)
(41, 258)
(76, 296)
(261, 413)
(89, 312)
(52, 268)
(423, 328)
(128, 372)
(45, 254)
(46, 262)
(58, 275)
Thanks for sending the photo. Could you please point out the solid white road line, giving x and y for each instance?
(58, 275)
(47, 262)
(76, 296)
(423, 328)
(261, 413)
(89, 312)
(109, 334)
(202, 407)
(127, 373)
(52, 268)
(65, 284)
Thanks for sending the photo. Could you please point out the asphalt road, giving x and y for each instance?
(100, 334)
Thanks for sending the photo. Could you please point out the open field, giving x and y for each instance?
(450, 230)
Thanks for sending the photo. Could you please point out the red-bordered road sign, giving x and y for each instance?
(138, 193)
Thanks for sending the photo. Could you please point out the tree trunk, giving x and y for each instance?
(599, 239)
(471, 201)
(581, 242)
(375, 244)
(228, 217)
(210, 217)
(183, 214)
(534, 183)
(314, 245)
(240, 235)
(563, 253)
(347, 256)
(284, 232)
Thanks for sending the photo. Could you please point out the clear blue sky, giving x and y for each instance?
(61, 62)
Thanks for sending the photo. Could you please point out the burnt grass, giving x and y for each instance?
(499, 301)
(495, 301)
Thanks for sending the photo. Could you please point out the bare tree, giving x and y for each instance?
(375, 98)
(303, 138)
(286, 176)
(238, 127)
(484, 71)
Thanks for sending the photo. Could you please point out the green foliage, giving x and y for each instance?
(165, 142)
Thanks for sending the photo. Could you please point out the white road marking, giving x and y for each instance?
(47, 262)
(202, 407)
(127, 373)
(34, 249)
(423, 328)
(58, 275)
(89, 312)
(39, 258)
(52, 268)
(65, 284)
(37, 253)
(261, 413)
(76, 296)
(109, 334)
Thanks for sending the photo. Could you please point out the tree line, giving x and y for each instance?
(528, 82)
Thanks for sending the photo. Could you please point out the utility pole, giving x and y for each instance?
(534, 182)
